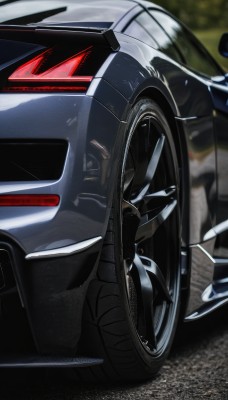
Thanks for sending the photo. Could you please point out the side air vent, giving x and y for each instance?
(15, 334)
(7, 280)
(32, 160)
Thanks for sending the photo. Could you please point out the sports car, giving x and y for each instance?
(113, 185)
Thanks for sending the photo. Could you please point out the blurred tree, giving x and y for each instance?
(202, 14)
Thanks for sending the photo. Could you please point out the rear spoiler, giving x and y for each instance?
(52, 34)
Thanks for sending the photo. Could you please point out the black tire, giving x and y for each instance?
(132, 307)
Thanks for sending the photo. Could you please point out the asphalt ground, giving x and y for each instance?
(197, 368)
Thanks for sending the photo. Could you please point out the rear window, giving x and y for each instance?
(86, 12)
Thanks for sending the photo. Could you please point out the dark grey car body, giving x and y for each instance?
(54, 251)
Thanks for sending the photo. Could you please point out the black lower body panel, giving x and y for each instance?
(35, 361)
(49, 294)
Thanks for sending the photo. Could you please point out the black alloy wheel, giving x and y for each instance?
(132, 307)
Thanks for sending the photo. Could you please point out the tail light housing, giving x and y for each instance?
(52, 71)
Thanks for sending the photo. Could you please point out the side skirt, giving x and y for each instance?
(208, 282)
(36, 361)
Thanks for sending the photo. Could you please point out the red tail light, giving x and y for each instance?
(31, 76)
(29, 200)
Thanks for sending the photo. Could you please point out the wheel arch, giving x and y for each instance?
(120, 248)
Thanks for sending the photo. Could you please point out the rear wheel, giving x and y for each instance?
(132, 307)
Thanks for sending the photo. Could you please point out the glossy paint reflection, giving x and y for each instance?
(202, 168)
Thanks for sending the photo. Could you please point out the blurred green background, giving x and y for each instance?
(208, 19)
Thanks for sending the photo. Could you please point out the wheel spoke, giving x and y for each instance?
(154, 160)
(148, 229)
(131, 220)
(157, 277)
(128, 178)
(145, 289)
(162, 195)
(151, 169)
